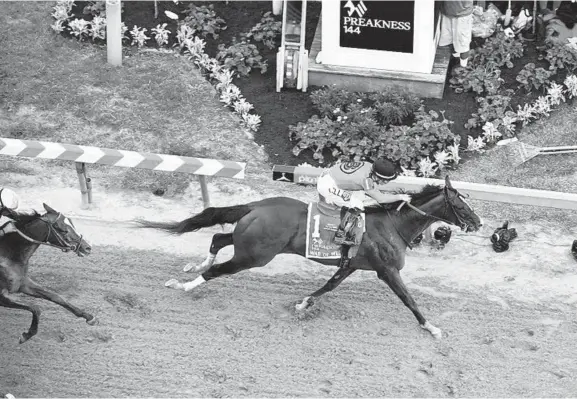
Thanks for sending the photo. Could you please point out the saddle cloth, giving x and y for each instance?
(322, 224)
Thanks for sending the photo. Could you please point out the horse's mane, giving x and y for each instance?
(22, 217)
(417, 199)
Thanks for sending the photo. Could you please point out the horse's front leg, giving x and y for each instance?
(392, 277)
(33, 330)
(29, 287)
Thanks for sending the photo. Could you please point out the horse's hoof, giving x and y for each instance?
(437, 334)
(92, 322)
(304, 305)
(188, 267)
(173, 283)
(24, 337)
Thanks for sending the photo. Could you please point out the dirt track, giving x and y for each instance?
(239, 336)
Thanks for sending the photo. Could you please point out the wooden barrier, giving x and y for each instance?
(82, 155)
(484, 192)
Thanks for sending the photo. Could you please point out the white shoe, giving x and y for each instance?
(464, 62)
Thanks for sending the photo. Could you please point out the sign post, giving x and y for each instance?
(113, 32)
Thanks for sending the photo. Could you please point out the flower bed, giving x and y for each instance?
(501, 90)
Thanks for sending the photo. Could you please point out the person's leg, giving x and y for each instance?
(463, 29)
(446, 38)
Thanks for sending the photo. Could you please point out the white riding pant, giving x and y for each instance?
(333, 195)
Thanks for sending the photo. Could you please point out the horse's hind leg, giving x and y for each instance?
(219, 241)
(8, 303)
(333, 283)
(29, 287)
(235, 265)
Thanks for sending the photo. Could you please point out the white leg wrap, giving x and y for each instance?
(303, 305)
(209, 261)
(436, 332)
(173, 283)
(194, 283)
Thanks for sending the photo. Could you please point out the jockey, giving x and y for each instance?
(353, 185)
(8, 202)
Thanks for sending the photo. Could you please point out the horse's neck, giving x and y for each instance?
(16, 248)
(413, 223)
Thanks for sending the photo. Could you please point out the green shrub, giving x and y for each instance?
(531, 77)
(561, 56)
(480, 79)
(241, 56)
(203, 20)
(266, 31)
(358, 126)
(498, 51)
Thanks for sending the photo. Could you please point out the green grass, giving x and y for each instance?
(58, 89)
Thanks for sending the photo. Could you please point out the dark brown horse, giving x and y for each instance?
(52, 229)
(278, 225)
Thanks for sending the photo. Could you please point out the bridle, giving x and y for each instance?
(64, 246)
(448, 205)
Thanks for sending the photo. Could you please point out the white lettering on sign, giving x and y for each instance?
(376, 23)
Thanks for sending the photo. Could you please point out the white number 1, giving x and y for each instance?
(316, 232)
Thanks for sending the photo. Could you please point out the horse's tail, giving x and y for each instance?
(209, 217)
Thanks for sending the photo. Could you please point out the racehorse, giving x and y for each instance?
(277, 225)
(16, 248)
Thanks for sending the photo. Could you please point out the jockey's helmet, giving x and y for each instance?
(8, 199)
(385, 169)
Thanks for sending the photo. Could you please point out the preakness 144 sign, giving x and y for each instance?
(378, 25)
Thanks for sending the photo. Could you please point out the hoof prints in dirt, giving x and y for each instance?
(127, 302)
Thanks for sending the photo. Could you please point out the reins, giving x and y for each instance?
(422, 213)
(64, 246)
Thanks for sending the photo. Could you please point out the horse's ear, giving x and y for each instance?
(448, 182)
(48, 209)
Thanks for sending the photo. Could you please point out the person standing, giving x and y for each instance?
(457, 27)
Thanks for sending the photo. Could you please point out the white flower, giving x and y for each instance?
(508, 124)
(555, 93)
(408, 172)
(441, 158)
(490, 132)
(170, 14)
(195, 46)
(98, 28)
(571, 83)
(184, 32)
(230, 94)
(251, 121)
(139, 36)
(123, 30)
(60, 12)
(79, 28)
(427, 168)
(542, 105)
(454, 153)
(526, 113)
(161, 34)
(242, 106)
(475, 144)
(57, 25)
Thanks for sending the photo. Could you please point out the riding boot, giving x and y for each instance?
(345, 260)
(343, 235)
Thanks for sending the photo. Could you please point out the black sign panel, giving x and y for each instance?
(378, 25)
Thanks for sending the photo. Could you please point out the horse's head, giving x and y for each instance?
(459, 212)
(54, 229)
